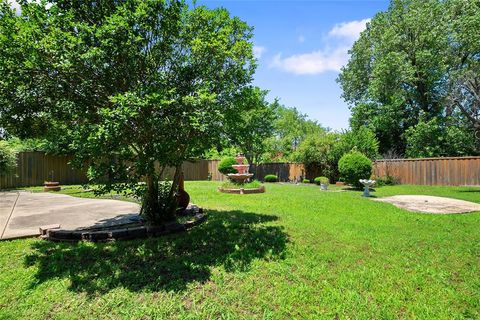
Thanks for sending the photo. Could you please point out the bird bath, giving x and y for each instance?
(367, 184)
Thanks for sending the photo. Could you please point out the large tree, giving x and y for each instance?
(464, 76)
(397, 70)
(252, 124)
(416, 62)
(136, 85)
(291, 127)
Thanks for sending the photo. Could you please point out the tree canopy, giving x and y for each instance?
(252, 123)
(409, 62)
(135, 86)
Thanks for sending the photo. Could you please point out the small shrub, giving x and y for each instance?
(387, 181)
(235, 185)
(8, 158)
(225, 166)
(271, 178)
(354, 166)
(322, 180)
(306, 181)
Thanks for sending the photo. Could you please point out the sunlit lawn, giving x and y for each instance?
(293, 252)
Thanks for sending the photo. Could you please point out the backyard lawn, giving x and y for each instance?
(293, 252)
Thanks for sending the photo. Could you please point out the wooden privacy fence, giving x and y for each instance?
(284, 171)
(33, 168)
(36, 167)
(432, 171)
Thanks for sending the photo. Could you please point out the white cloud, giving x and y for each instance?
(349, 30)
(258, 51)
(332, 57)
(312, 63)
(14, 4)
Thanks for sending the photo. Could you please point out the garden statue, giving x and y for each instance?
(367, 184)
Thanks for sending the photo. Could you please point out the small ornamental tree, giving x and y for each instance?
(354, 166)
(314, 152)
(137, 86)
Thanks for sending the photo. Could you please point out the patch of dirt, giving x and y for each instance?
(430, 204)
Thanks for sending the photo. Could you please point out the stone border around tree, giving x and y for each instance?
(126, 233)
(242, 190)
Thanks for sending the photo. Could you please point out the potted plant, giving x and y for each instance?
(51, 185)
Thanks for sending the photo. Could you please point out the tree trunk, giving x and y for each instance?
(150, 203)
(173, 195)
(158, 204)
(249, 158)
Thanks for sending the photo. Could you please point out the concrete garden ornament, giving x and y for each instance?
(367, 184)
(240, 178)
(324, 182)
(242, 170)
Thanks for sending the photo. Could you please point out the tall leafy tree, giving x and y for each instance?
(435, 139)
(464, 76)
(136, 86)
(315, 153)
(252, 123)
(397, 70)
(291, 127)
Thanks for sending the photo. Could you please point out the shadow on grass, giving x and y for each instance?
(232, 239)
(470, 190)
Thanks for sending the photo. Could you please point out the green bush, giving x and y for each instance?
(354, 166)
(8, 158)
(306, 181)
(247, 185)
(271, 178)
(321, 180)
(225, 166)
(386, 181)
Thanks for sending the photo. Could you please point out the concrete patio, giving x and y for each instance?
(23, 213)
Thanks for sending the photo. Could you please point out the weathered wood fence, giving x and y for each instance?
(36, 167)
(432, 171)
(284, 171)
(33, 168)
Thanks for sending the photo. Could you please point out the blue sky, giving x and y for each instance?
(301, 45)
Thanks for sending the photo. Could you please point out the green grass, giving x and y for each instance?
(82, 192)
(248, 185)
(292, 252)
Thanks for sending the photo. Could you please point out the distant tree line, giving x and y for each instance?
(271, 132)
